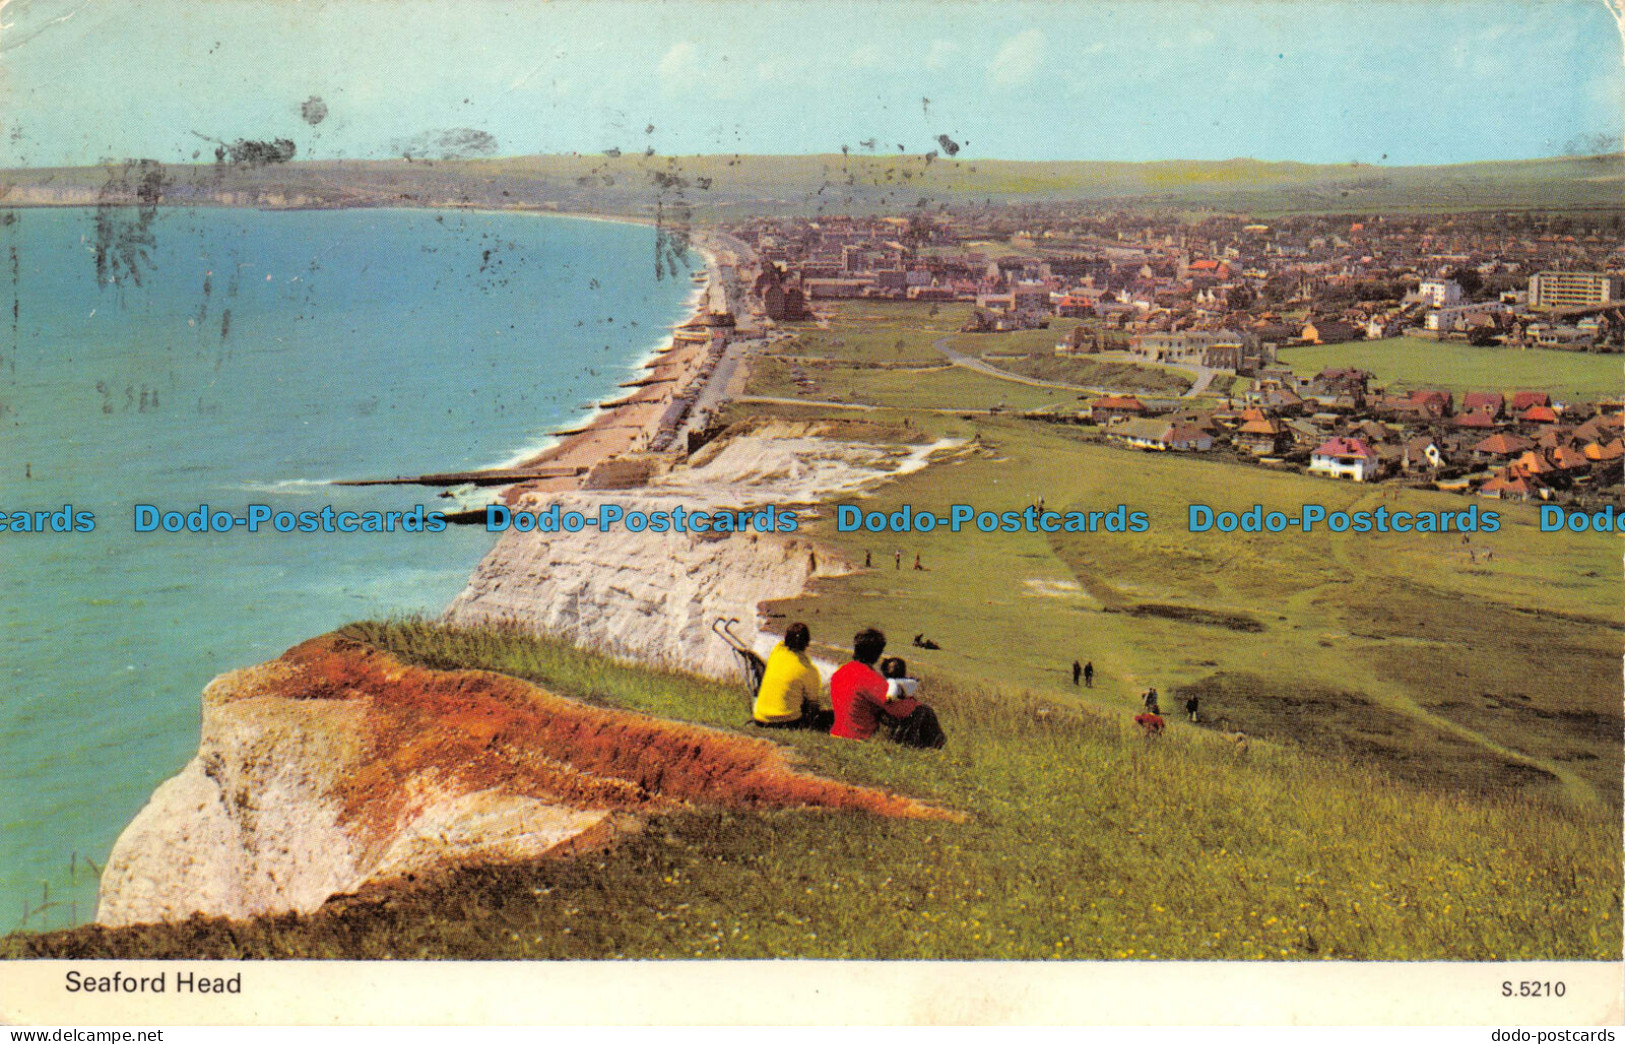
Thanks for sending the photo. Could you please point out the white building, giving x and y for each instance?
(1440, 293)
(1344, 458)
(1445, 319)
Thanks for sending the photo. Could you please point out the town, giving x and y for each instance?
(1230, 303)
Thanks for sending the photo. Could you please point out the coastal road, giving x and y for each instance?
(714, 394)
(826, 403)
(976, 365)
(1201, 376)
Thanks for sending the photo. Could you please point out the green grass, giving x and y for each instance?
(1083, 370)
(882, 353)
(1082, 841)
(1410, 363)
(1509, 668)
(876, 332)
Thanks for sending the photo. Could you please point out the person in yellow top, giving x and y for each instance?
(788, 697)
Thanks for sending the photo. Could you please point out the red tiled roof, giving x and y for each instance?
(1503, 444)
(1344, 448)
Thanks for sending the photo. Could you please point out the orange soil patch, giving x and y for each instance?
(467, 731)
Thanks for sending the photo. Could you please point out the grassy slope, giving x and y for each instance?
(1083, 841)
(1409, 362)
(1463, 683)
(878, 352)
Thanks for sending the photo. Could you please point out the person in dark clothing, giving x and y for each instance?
(863, 706)
(1190, 707)
(921, 728)
(1077, 671)
(1089, 675)
(1151, 701)
(868, 563)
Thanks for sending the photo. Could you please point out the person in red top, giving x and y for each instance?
(858, 693)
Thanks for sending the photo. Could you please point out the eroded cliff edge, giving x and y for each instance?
(337, 767)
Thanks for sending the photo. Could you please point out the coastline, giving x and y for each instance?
(676, 368)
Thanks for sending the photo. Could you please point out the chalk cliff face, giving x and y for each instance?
(653, 596)
(337, 767)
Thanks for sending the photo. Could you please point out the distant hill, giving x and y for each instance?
(706, 188)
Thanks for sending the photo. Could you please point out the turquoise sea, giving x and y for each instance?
(232, 357)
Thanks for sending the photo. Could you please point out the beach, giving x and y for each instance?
(677, 372)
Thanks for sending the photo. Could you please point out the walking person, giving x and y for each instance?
(1089, 675)
(1077, 672)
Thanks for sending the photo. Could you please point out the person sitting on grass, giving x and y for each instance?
(788, 696)
(858, 694)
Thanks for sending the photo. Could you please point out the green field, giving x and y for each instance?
(1488, 675)
(883, 353)
(1091, 372)
(1409, 363)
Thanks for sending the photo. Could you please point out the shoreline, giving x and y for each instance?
(675, 368)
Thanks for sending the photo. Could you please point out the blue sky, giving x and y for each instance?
(1381, 81)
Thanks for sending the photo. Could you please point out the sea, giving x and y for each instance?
(226, 357)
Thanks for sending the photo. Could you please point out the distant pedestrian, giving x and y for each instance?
(1150, 699)
(812, 561)
(1077, 672)
(1089, 675)
(1190, 708)
(868, 563)
(897, 558)
(917, 564)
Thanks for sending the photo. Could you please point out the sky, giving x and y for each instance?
(1380, 81)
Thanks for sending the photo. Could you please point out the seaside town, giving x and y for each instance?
(1217, 299)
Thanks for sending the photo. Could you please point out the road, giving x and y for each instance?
(1201, 376)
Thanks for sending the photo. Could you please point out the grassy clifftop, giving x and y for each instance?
(1083, 841)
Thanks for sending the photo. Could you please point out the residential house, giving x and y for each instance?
(1263, 437)
(1501, 446)
(1330, 331)
(1344, 458)
(1155, 433)
(1111, 408)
